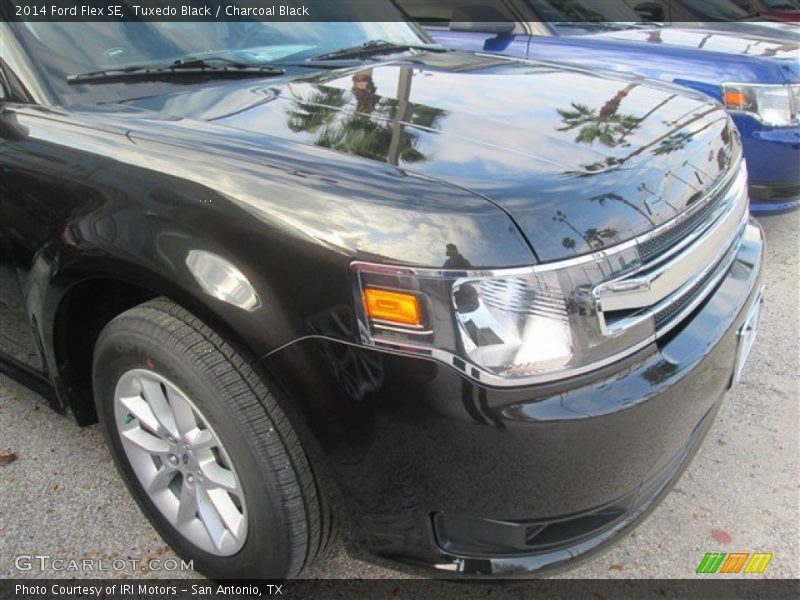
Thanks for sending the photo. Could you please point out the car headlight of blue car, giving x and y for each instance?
(773, 104)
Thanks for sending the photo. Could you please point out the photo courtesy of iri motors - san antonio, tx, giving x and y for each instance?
(124, 589)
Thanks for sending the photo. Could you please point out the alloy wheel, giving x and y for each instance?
(180, 462)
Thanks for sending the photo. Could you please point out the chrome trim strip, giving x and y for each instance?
(382, 325)
(469, 369)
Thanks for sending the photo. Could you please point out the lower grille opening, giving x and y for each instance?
(546, 536)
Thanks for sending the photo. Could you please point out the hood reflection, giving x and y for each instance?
(378, 127)
(521, 135)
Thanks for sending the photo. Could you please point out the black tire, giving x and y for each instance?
(285, 512)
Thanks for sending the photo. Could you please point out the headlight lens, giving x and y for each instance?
(531, 324)
(776, 105)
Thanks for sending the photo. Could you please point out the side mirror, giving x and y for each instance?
(650, 11)
(481, 19)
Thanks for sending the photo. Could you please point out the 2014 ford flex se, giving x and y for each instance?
(331, 274)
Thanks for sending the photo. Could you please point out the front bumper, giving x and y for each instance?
(773, 161)
(432, 470)
(772, 198)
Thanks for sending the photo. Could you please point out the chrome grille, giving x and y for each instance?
(686, 300)
(699, 250)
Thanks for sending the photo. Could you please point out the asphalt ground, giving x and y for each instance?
(62, 497)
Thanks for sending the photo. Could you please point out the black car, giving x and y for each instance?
(475, 313)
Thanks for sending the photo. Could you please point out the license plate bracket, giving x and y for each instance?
(746, 336)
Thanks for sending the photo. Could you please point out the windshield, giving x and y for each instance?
(586, 15)
(716, 10)
(584, 10)
(62, 49)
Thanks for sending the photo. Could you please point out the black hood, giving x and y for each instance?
(579, 161)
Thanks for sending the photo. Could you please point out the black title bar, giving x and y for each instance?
(438, 11)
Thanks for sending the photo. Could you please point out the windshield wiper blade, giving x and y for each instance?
(193, 67)
(376, 47)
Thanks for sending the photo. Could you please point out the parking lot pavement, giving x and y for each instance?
(62, 497)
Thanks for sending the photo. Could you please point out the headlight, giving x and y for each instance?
(504, 327)
(776, 105)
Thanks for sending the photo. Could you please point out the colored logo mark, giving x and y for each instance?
(734, 562)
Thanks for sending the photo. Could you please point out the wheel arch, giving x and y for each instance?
(81, 301)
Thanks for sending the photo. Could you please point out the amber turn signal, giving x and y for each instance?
(735, 99)
(396, 307)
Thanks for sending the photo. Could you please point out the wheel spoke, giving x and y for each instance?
(187, 507)
(210, 518)
(182, 412)
(227, 511)
(217, 476)
(161, 479)
(141, 410)
(201, 439)
(146, 441)
(155, 397)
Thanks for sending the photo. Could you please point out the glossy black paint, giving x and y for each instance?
(258, 172)
(290, 180)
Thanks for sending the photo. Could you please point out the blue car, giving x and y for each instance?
(756, 77)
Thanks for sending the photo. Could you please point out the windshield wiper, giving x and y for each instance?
(191, 67)
(377, 47)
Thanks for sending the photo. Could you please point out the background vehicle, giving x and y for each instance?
(678, 11)
(779, 9)
(382, 284)
(757, 78)
(716, 15)
(751, 17)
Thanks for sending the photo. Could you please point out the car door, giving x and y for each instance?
(18, 345)
(495, 27)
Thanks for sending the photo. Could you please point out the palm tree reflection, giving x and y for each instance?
(607, 126)
(613, 163)
(376, 129)
(611, 128)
